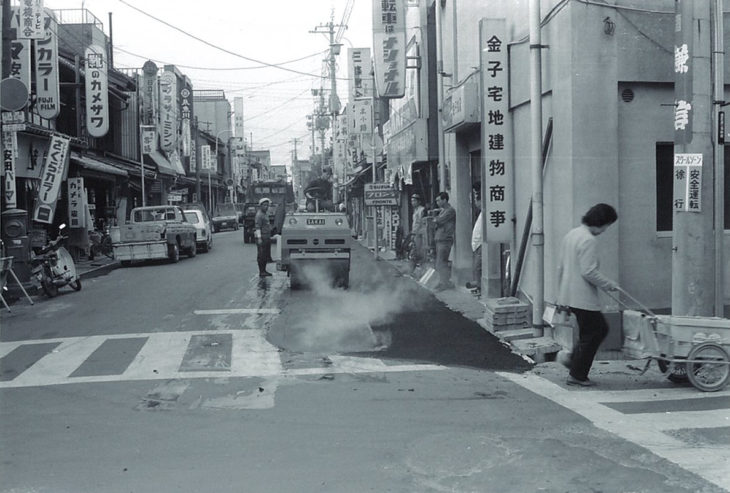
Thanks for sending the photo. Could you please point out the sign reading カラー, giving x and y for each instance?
(688, 182)
(389, 47)
(51, 178)
(48, 102)
(497, 167)
(97, 92)
(380, 194)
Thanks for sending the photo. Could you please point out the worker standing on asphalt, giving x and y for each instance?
(262, 233)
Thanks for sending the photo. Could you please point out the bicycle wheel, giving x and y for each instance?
(709, 367)
(106, 247)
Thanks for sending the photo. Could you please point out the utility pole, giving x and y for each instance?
(693, 266)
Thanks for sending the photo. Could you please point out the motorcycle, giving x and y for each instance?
(53, 267)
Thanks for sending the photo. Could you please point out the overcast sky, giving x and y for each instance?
(276, 101)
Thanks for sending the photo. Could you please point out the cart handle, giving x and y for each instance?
(643, 307)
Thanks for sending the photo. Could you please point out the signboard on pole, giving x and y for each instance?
(361, 120)
(497, 167)
(688, 182)
(97, 92)
(186, 111)
(205, 161)
(149, 93)
(48, 100)
(9, 149)
(51, 178)
(76, 203)
(380, 194)
(149, 139)
(20, 67)
(168, 111)
(389, 47)
(31, 20)
(360, 73)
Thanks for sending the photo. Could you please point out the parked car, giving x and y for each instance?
(201, 221)
(225, 217)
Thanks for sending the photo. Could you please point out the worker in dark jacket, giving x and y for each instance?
(262, 232)
(445, 222)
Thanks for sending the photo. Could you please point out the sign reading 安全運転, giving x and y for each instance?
(688, 182)
(380, 194)
(497, 168)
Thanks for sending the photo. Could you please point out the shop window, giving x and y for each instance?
(665, 189)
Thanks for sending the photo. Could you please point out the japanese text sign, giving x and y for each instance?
(359, 72)
(76, 203)
(380, 194)
(20, 67)
(361, 120)
(9, 149)
(48, 101)
(389, 47)
(497, 165)
(186, 111)
(683, 54)
(149, 138)
(31, 20)
(97, 92)
(205, 158)
(687, 182)
(51, 178)
(168, 111)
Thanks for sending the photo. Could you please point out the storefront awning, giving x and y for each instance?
(163, 165)
(98, 166)
(177, 163)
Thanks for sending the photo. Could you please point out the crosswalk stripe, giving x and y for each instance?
(252, 353)
(161, 355)
(60, 363)
(645, 430)
(673, 393)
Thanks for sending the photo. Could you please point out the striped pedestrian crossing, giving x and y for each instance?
(161, 356)
(683, 425)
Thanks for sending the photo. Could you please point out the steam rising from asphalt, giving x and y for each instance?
(343, 320)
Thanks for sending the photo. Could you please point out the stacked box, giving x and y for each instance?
(506, 314)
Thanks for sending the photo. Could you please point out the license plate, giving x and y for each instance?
(315, 222)
(224, 224)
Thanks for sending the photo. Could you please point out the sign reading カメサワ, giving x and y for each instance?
(97, 92)
(496, 136)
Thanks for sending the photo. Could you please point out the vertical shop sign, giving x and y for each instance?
(51, 177)
(238, 128)
(389, 47)
(186, 112)
(683, 51)
(168, 111)
(48, 100)
(149, 139)
(360, 73)
(19, 53)
(496, 138)
(205, 161)
(76, 203)
(688, 182)
(9, 190)
(31, 20)
(361, 121)
(97, 92)
(149, 93)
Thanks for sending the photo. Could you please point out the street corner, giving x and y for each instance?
(611, 375)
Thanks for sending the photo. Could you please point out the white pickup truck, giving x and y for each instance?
(156, 232)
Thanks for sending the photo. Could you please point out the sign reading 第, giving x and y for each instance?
(168, 111)
(31, 20)
(496, 137)
(51, 178)
(76, 203)
(97, 92)
(205, 161)
(389, 47)
(688, 182)
(380, 194)
(361, 66)
(9, 191)
(48, 101)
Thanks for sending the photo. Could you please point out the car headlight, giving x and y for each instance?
(338, 221)
(292, 220)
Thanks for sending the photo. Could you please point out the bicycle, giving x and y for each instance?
(101, 244)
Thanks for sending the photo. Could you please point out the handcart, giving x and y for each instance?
(685, 347)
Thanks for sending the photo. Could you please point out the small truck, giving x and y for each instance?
(157, 232)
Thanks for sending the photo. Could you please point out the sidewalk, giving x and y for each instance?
(101, 265)
(462, 300)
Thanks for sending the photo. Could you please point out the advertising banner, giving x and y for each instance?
(149, 93)
(149, 139)
(76, 203)
(389, 47)
(361, 121)
(9, 150)
(205, 158)
(238, 124)
(380, 194)
(683, 54)
(97, 91)
(51, 178)
(168, 111)
(360, 73)
(20, 67)
(31, 20)
(186, 112)
(688, 182)
(48, 102)
(496, 138)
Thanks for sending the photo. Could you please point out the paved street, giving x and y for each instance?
(199, 376)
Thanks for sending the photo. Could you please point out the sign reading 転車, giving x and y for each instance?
(380, 194)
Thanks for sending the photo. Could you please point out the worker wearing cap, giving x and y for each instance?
(262, 232)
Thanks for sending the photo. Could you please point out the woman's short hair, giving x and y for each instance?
(600, 215)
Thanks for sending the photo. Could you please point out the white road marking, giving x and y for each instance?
(669, 394)
(645, 430)
(60, 362)
(238, 311)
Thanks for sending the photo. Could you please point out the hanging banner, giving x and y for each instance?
(97, 92)
(205, 161)
(683, 54)
(496, 138)
(389, 47)
(360, 73)
(186, 110)
(31, 20)
(20, 67)
(149, 139)
(10, 148)
(168, 111)
(76, 203)
(688, 182)
(51, 178)
(48, 102)
(238, 125)
(149, 93)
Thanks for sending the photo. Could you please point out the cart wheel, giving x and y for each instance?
(678, 373)
(713, 372)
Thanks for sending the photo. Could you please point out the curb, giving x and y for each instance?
(99, 270)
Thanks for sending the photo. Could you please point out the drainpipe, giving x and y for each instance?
(718, 72)
(538, 235)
